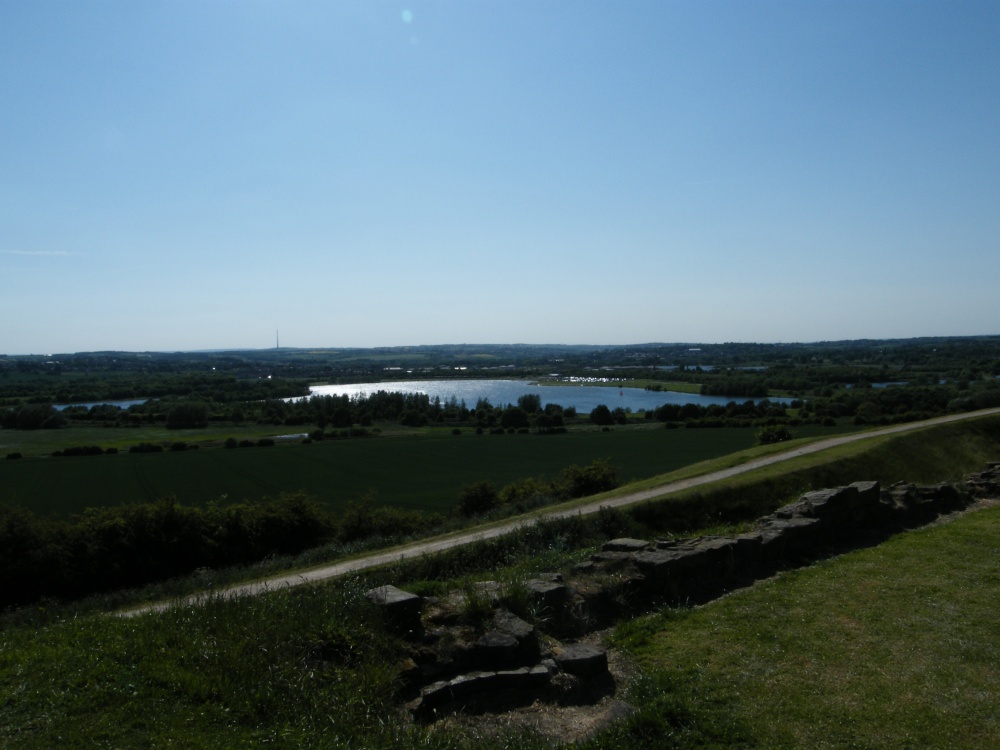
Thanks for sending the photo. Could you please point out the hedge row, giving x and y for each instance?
(127, 546)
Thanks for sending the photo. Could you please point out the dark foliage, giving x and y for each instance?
(120, 547)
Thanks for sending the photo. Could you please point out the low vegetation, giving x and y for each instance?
(891, 647)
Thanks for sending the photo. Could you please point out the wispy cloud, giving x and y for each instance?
(39, 253)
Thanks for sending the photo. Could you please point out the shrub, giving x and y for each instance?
(80, 450)
(773, 434)
(365, 520)
(476, 499)
(597, 476)
(526, 493)
(612, 522)
(131, 545)
(145, 448)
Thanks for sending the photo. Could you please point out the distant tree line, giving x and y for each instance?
(862, 402)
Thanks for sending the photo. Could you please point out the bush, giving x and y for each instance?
(365, 520)
(146, 448)
(80, 450)
(597, 476)
(131, 545)
(526, 492)
(773, 434)
(476, 499)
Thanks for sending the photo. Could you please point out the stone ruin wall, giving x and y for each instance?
(502, 662)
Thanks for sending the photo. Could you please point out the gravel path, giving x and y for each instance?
(419, 548)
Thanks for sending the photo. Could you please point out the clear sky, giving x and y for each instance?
(200, 174)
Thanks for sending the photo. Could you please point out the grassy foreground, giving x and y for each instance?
(892, 647)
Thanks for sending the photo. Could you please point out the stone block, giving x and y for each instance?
(548, 595)
(507, 622)
(401, 608)
(789, 536)
(625, 545)
(582, 660)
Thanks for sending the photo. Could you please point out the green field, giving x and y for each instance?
(421, 471)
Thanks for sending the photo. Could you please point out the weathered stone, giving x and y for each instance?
(691, 570)
(547, 595)
(401, 608)
(625, 545)
(709, 550)
(611, 558)
(582, 660)
(659, 564)
(475, 688)
(779, 537)
(494, 641)
(507, 622)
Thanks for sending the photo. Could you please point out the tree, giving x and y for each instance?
(601, 415)
(188, 415)
(34, 417)
(513, 417)
(530, 402)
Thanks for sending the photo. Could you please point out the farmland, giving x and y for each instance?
(423, 470)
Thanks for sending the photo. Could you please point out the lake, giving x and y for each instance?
(502, 392)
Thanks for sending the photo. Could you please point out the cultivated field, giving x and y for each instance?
(421, 471)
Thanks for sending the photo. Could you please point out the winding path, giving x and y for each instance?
(426, 547)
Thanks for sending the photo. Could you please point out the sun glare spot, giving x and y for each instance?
(407, 15)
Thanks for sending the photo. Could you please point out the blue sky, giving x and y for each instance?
(193, 175)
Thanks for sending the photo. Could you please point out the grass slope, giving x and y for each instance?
(892, 647)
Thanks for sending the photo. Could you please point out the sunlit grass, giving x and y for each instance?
(892, 647)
